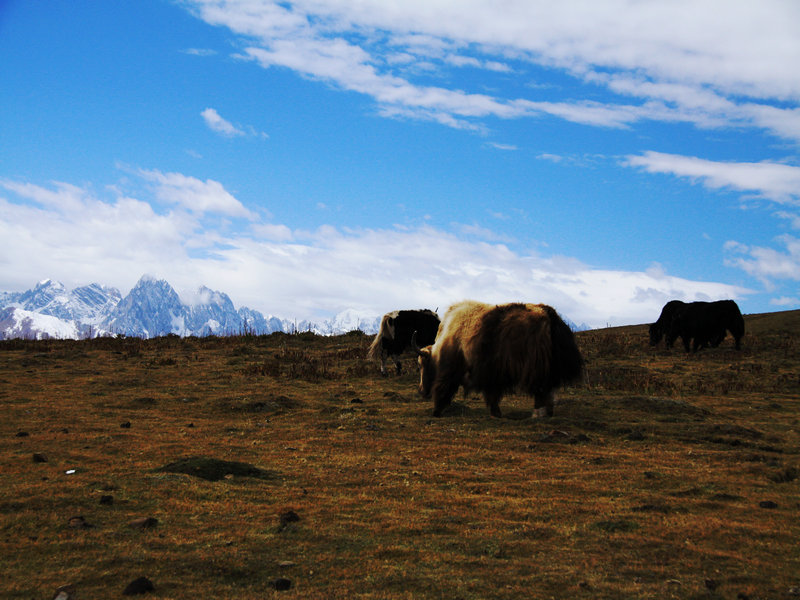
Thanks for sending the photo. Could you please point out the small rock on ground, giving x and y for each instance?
(142, 585)
(282, 584)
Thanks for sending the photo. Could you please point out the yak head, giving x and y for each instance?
(655, 333)
(427, 367)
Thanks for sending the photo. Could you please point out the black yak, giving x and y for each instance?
(662, 326)
(705, 323)
(498, 349)
(397, 328)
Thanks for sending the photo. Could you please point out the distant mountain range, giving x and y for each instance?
(151, 309)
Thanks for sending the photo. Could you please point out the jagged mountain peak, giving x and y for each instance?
(152, 282)
(152, 308)
(87, 304)
(49, 283)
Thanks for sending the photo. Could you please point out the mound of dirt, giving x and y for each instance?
(212, 469)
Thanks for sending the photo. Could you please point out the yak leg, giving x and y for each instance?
(698, 344)
(493, 402)
(443, 391)
(447, 380)
(397, 365)
(543, 403)
(444, 388)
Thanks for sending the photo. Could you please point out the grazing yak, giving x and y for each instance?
(706, 323)
(498, 349)
(397, 328)
(703, 323)
(661, 327)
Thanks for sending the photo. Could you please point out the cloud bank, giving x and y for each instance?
(711, 64)
(68, 233)
(772, 180)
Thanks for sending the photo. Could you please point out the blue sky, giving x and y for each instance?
(309, 157)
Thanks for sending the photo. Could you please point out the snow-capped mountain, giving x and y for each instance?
(348, 320)
(88, 304)
(253, 321)
(152, 308)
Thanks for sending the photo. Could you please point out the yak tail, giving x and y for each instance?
(566, 365)
(374, 351)
(376, 346)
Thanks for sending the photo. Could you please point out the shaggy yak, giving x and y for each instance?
(397, 328)
(498, 349)
(705, 323)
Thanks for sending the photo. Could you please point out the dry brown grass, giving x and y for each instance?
(647, 483)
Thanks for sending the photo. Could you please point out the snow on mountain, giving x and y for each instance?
(212, 313)
(88, 304)
(348, 320)
(256, 323)
(92, 303)
(25, 324)
(152, 308)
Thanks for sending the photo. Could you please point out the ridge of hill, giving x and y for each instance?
(785, 320)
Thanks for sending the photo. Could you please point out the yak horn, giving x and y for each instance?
(414, 344)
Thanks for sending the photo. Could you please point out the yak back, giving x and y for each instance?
(708, 320)
(397, 327)
(525, 347)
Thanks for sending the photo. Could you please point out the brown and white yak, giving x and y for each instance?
(397, 328)
(499, 349)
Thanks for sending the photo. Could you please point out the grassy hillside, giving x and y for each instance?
(232, 467)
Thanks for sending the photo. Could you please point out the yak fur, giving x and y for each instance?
(499, 349)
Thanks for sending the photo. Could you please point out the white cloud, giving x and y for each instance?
(767, 264)
(200, 51)
(197, 196)
(224, 127)
(681, 61)
(81, 239)
(785, 301)
(793, 218)
(481, 232)
(308, 274)
(220, 125)
(776, 181)
(506, 147)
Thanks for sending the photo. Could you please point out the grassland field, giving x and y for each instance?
(236, 467)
